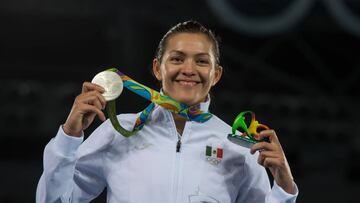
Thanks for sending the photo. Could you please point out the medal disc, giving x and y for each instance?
(111, 82)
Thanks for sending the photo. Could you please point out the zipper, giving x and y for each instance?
(178, 165)
(178, 144)
(177, 176)
(178, 173)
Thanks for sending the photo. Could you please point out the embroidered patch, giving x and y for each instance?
(142, 146)
(214, 155)
(200, 197)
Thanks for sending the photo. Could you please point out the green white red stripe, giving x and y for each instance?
(214, 152)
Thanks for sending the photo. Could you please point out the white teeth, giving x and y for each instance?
(187, 83)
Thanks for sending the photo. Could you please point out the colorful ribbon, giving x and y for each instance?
(192, 113)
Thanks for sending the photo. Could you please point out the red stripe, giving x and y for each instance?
(219, 153)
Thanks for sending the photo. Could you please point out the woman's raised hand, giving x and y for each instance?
(86, 106)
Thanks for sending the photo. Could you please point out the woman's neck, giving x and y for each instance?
(179, 123)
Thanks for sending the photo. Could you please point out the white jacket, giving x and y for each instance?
(147, 167)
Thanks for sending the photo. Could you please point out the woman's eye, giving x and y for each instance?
(203, 61)
(176, 59)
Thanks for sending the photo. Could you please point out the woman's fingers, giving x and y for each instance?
(267, 154)
(88, 86)
(92, 97)
(91, 109)
(267, 150)
(269, 134)
(274, 143)
(262, 146)
(91, 102)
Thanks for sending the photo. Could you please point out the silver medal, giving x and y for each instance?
(111, 82)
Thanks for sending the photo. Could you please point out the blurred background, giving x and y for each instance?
(295, 63)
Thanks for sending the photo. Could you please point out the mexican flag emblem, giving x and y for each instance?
(214, 155)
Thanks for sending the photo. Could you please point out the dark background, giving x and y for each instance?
(294, 62)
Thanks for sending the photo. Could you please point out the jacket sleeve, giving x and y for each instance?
(72, 169)
(277, 194)
(255, 187)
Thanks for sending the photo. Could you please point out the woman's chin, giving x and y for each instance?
(187, 98)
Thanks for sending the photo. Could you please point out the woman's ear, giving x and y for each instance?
(156, 69)
(218, 74)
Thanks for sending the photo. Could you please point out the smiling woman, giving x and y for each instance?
(188, 62)
(172, 158)
(188, 68)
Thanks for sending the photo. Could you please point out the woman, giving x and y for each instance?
(167, 160)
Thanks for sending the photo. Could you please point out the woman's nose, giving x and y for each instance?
(188, 67)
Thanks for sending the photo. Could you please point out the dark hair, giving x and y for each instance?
(190, 26)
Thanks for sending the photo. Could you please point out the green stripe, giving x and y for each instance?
(208, 151)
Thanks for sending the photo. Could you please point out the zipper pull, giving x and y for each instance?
(178, 145)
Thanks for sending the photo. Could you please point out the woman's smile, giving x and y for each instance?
(187, 83)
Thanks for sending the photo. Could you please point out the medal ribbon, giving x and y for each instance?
(192, 113)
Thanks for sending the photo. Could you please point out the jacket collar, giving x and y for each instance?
(159, 113)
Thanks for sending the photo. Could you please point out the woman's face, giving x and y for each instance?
(188, 68)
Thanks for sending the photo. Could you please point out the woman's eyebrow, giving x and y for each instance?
(177, 52)
(183, 53)
(203, 54)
